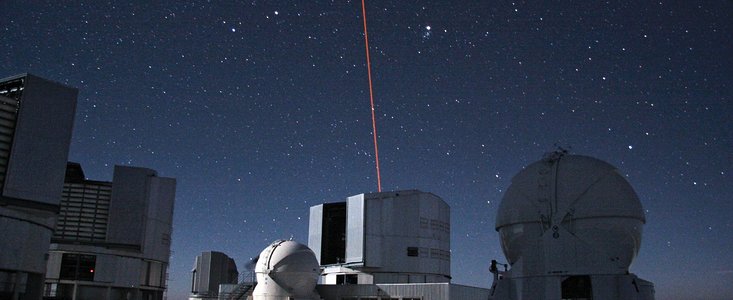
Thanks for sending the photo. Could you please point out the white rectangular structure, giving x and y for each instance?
(388, 237)
(355, 230)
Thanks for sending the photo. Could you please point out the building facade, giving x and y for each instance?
(36, 120)
(112, 239)
(386, 245)
(387, 237)
(210, 270)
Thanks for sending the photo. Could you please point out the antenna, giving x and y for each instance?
(371, 97)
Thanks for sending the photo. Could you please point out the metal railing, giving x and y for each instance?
(244, 288)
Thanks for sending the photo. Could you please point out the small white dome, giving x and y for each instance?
(287, 268)
(581, 195)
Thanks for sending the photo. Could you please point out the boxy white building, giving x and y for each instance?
(388, 245)
(389, 237)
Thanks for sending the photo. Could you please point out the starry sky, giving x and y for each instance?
(260, 109)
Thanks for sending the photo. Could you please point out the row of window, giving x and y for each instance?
(81, 267)
(84, 212)
(84, 188)
(428, 252)
(86, 201)
(435, 225)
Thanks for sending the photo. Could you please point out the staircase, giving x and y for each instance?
(244, 288)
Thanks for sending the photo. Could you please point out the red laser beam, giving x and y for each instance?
(371, 97)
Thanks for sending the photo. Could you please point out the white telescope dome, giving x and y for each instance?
(286, 269)
(570, 202)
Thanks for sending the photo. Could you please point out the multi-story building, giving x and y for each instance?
(112, 239)
(36, 120)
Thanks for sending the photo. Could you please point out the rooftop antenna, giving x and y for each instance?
(371, 97)
(559, 152)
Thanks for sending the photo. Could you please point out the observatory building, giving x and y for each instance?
(389, 245)
(36, 118)
(112, 239)
(570, 226)
(211, 270)
(286, 270)
(390, 237)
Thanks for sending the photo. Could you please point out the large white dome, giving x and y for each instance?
(570, 202)
(286, 269)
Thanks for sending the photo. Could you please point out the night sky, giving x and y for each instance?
(261, 110)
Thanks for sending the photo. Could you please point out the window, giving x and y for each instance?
(577, 288)
(347, 279)
(58, 291)
(412, 251)
(77, 267)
